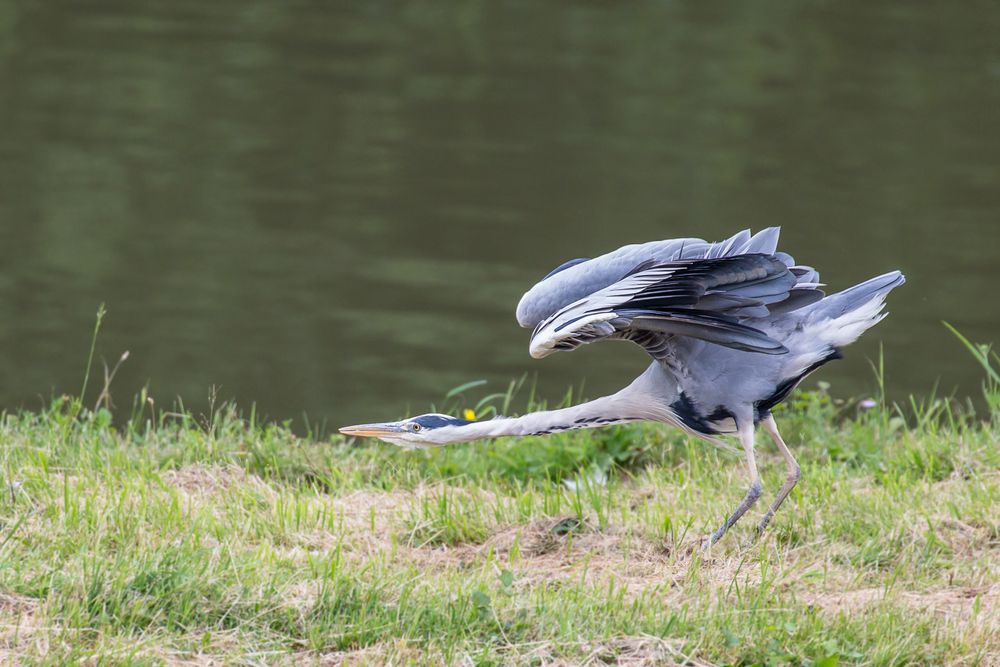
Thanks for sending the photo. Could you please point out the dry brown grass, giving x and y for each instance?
(198, 479)
(19, 628)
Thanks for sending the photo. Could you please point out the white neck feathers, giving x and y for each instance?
(615, 409)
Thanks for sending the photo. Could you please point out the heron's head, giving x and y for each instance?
(428, 430)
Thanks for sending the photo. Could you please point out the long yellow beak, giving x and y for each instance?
(370, 430)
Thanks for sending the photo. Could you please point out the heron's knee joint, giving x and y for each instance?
(756, 488)
(794, 472)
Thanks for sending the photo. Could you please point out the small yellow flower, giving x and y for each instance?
(469, 414)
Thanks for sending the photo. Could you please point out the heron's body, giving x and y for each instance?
(731, 327)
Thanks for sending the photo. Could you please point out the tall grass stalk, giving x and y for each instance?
(101, 312)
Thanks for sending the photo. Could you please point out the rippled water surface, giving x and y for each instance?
(333, 208)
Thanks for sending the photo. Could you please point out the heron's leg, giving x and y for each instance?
(793, 472)
(753, 493)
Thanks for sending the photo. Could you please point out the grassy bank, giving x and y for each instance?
(211, 540)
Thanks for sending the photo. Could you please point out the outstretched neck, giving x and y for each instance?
(615, 409)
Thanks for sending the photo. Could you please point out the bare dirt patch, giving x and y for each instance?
(381, 653)
(638, 651)
(17, 625)
(365, 522)
(951, 603)
(15, 605)
(630, 561)
(203, 479)
(370, 519)
(371, 511)
(965, 540)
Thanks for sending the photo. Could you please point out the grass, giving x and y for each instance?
(169, 538)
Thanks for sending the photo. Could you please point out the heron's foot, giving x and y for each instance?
(709, 540)
(706, 544)
(702, 547)
(753, 493)
(754, 538)
(762, 526)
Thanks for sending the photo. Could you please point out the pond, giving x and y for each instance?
(331, 209)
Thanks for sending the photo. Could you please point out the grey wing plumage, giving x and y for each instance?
(578, 278)
(711, 291)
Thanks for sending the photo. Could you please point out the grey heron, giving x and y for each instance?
(732, 327)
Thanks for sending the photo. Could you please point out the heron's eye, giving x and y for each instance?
(415, 427)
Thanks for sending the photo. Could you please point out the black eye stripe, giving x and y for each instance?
(437, 421)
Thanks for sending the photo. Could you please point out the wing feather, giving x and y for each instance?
(709, 299)
(578, 279)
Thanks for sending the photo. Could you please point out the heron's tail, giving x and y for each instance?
(841, 318)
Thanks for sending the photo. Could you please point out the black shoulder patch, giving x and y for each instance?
(719, 414)
(690, 417)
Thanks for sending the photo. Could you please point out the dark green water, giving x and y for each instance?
(334, 207)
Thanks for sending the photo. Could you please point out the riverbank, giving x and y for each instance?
(211, 539)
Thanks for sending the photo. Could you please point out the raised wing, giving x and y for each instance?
(580, 278)
(715, 300)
